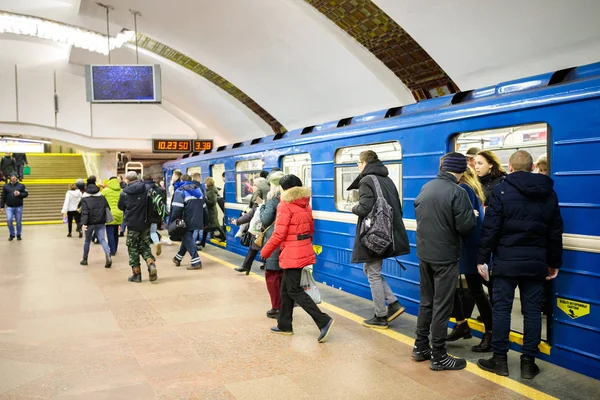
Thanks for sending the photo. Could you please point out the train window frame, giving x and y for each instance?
(306, 169)
(194, 169)
(251, 168)
(345, 162)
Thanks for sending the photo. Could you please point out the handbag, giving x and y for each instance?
(308, 283)
(260, 238)
(177, 229)
(109, 216)
(246, 239)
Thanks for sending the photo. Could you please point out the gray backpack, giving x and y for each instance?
(377, 230)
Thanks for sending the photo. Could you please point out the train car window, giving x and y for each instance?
(504, 142)
(299, 165)
(245, 173)
(346, 170)
(194, 170)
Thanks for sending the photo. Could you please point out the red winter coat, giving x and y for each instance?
(294, 218)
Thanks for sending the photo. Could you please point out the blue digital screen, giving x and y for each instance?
(123, 83)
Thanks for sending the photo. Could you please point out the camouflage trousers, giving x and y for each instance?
(138, 244)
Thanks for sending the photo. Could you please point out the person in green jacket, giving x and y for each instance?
(112, 192)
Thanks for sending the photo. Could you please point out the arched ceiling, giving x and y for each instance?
(287, 64)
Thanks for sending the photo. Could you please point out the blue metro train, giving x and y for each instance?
(557, 114)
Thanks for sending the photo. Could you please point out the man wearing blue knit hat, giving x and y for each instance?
(444, 215)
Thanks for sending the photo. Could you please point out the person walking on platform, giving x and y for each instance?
(188, 205)
(444, 215)
(70, 209)
(294, 227)
(93, 220)
(134, 204)
(112, 193)
(20, 163)
(213, 223)
(373, 172)
(523, 228)
(13, 194)
(7, 167)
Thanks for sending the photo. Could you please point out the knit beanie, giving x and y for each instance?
(91, 180)
(275, 177)
(289, 181)
(454, 162)
(264, 174)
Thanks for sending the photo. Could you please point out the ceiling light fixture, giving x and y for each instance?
(62, 33)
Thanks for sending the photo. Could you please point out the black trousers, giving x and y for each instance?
(291, 292)
(475, 284)
(438, 284)
(73, 216)
(532, 295)
(252, 253)
(206, 232)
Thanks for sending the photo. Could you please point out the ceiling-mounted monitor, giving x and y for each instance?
(123, 83)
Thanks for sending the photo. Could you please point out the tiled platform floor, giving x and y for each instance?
(72, 332)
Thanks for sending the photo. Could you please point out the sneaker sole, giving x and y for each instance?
(328, 332)
(440, 368)
(376, 326)
(153, 275)
(396, 314)
(492, 371)
(282, 332)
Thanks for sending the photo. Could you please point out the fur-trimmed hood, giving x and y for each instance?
(299, 195)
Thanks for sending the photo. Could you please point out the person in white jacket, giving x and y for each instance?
(70, 210)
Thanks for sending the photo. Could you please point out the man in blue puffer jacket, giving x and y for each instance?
(523, 229)
(188, 204)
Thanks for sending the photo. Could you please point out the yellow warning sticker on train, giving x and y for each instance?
(317, 249)
(572, 308)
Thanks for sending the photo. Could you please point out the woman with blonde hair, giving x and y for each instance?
(212, 203)
(490, 172)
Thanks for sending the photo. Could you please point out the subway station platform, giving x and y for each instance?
(73, 332)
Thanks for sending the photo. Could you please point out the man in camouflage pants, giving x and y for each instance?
(134, 203)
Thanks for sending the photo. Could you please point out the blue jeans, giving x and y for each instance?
(154, 234)
(112, 234)
(11, 214)
(100, 231)
(532, 295)
(188, 244)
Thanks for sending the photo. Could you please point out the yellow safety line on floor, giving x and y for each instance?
(57, 154)
(37, 223)
(49, 181)
(503, 381)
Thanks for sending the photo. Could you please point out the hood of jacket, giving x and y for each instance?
(75, 193)
(298, 195)
(136, 187)
(532, 185)
(150, 184)
(376, 168)
(191, 189)
(114, 184)
(91, 190)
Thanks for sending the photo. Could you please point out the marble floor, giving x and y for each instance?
(73, 332)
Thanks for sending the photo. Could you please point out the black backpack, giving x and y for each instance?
(377, 229)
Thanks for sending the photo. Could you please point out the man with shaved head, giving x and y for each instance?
(523, 229)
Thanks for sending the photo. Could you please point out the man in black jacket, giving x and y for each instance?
(7, 166)
(20, 163)
(370, 167)
(444, 215)
(93, 220)
(523, 229)
(134, 203)
(13, 194)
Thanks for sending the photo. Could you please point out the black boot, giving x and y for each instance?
(137, 275)
(460, 331)
(108, 261)
(498, 364)
(84, 261)
(242, 269)
(376, 322)
(529, 368)
(485, 345)
(273, 313)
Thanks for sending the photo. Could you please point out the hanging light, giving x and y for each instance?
(61, 33)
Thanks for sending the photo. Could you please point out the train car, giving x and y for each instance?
(557, 114)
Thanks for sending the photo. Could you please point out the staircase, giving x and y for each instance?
(47, 185)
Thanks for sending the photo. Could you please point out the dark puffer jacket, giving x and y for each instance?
(268, 214)
(134, 204)
(468, 257)
(294, 227)
(522, 227)
(489, 184)
(212, 194)
(8, 195)
(366, 191)
(93, 207)
(444, 215)
(188, 204)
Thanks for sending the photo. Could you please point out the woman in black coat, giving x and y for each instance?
(490, 172)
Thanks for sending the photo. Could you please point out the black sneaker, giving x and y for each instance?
(460, 331)
(11, 238)
(498, 364)
(446, 362)
(273, 313)
(69, 235)
(421, 354)
(83, 262)
(276, 329)
(19, 237)
(176, 262)
(376, 322)
(394, 311)
(325, 331)
(529, 368)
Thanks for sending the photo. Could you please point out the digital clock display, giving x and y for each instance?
(171, 146)
(201, 145)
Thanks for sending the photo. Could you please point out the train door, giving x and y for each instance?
(503, 142)
(216, 172)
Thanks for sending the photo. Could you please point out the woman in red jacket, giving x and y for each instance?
(294, 227)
